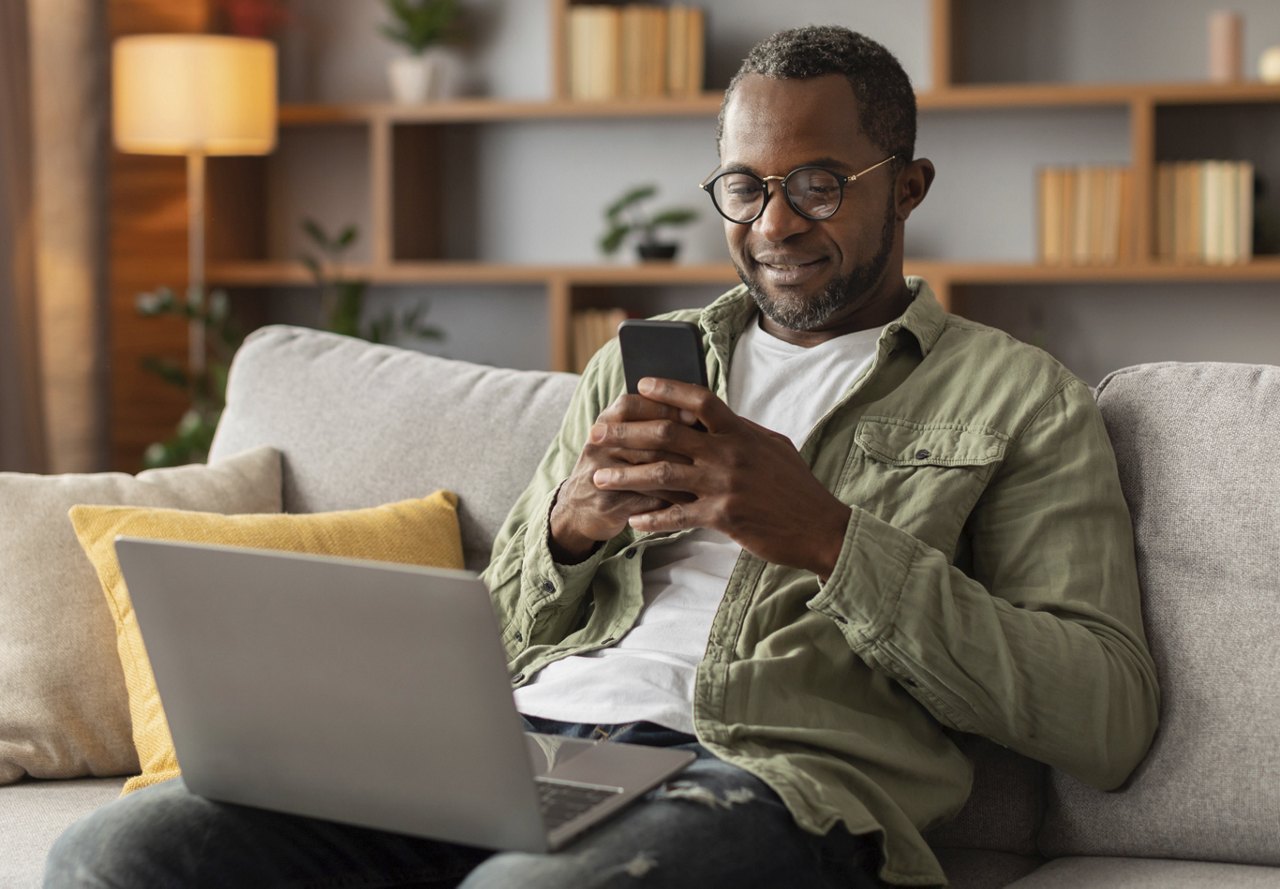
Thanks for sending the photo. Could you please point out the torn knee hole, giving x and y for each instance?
(695, 793)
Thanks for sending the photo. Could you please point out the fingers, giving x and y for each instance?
(656, 436)
(628, 408)
(693, 402)
(661, 479)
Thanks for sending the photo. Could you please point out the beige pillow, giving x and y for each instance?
(63, 708)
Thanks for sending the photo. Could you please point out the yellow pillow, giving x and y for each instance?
(415, 532)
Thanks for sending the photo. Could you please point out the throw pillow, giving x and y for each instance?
(63, 710)
(417, 532)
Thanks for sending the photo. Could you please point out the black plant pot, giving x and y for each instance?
(657, 252)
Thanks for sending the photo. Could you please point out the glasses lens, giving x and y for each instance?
(738, 196)
(814, 192)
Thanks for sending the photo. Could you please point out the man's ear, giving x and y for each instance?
(913, 184)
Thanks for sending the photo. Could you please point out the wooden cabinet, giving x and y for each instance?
(400, 183)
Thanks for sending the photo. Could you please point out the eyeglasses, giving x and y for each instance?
(813, 192)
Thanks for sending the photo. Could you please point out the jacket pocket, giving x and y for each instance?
(921, 477)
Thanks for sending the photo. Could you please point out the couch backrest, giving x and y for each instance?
(1196, 446)
(360, 425)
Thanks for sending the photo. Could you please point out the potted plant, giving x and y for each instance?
(206, 389)
(417, 25)
(342, 298)
(626, 216)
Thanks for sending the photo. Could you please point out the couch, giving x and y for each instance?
(359, 424)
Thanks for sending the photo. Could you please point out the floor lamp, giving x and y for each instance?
(194, 95)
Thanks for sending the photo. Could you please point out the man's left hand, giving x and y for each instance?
(745, 481)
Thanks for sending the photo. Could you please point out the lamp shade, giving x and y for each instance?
(194, 93)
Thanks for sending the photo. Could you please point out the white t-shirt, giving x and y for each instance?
(648, 675)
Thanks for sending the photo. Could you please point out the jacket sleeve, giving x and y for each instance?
(1042, 650)
(536, 598)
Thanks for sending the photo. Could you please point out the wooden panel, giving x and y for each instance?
(147, 217)
(235, 217)
(417, 193)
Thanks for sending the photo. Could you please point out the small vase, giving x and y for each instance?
(414, 78)
(657, 252)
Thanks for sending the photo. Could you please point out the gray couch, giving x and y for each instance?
(360, 425)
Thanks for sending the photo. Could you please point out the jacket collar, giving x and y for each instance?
(727, 317)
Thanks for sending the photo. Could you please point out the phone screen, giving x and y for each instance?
(671, 350)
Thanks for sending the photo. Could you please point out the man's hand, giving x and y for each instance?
(584, 513)
(737, 477)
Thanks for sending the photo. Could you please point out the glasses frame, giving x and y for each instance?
(709, 183)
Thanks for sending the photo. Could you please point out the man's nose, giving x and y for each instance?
(778, 221)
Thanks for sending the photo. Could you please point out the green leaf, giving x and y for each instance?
(348, 237)
(633, 196)
(316, 233)
(674, 216)
(613, 239)
(168, 371)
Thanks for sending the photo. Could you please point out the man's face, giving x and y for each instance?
(821, 278)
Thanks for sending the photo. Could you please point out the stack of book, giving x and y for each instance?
(1086, 215)
(1204, 212)
(635, 51)
(592, 328)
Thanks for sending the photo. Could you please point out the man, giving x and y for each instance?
(891, 526)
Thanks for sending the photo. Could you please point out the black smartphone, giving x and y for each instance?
(671, 350)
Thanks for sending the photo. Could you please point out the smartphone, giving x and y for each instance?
(671, 350)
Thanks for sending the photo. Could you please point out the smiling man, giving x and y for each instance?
(881, 528)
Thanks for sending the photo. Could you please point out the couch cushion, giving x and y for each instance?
(33, 814)
(361, 424)
(1194, 444)
(984, 869)
(1004, 810)
(415, 532)
(63, 711)
(1138, 873)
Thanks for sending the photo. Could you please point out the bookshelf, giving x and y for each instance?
(401, 203)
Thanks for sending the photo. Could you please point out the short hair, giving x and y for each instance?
(886, 100)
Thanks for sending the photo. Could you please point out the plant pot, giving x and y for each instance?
(414, 78)
(657, 252)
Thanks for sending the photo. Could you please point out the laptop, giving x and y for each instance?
(363, 692)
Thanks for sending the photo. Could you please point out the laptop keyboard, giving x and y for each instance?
(561, 801)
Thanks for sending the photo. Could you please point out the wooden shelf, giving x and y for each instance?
(956, 98)
(1103, 95)
(405, 140)
(961, 273)
(292, 274)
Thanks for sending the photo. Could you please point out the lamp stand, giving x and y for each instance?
(196, 296)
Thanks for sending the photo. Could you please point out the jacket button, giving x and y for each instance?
(517, 679)
(630, 553)
(519, 637)
(922, 454)
(548, 586)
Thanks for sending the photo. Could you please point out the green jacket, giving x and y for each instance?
(987, 585)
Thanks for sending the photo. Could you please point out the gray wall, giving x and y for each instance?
(535, 191)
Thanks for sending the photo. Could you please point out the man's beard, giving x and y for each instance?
(801, 313)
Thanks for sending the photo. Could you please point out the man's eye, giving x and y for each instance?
(742, 190)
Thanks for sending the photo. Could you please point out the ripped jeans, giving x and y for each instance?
(712, 825)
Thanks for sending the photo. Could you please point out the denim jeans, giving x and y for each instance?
(711, 825)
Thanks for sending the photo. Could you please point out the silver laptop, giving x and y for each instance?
(362, 692)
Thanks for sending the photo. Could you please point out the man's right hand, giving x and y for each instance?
(584, 515)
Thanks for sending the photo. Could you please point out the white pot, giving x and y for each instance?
(415, 78)
(1269, 65)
